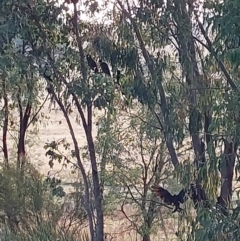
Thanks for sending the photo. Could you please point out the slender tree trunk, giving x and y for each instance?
(95, 176)
(80, 164)
(149, 217)
(22, 132)
(227, 170)
(87, 125)
(88, 132)
(150, 64)
(146, 237)
(24, 117)
(5, 123)
(191, 71)
(148, 220)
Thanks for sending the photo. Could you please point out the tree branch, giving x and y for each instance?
(79, 42)
(79, 161)
(150, 64)
(213, 52)
(5, 122)
(40, 108)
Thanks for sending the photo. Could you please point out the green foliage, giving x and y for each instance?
(28, 209)
(57, 189)
(131, 152)
(25, 197)
(214, 226)
(128, 171)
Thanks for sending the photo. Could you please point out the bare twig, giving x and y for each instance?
(126, 216)
(201, 42)
(146, 122)
(40, 108)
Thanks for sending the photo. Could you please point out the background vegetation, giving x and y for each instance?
(172, 120)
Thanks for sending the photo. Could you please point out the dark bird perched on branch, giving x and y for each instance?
(47, 73)
(104, 67)
(91, 63)
(170, 199)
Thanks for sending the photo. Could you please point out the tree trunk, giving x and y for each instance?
(189, 65)
(87, 125)
(146, 237)
(148, 220)
(22, 132)
(227, 170)
(97, 190)
(80, 164)
(149, 217)
(5, 123)
(95, 176)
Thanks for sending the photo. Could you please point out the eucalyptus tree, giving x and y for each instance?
(54, 38)
(182, 88)
(133, 159)
(186, 92)
(20, 88)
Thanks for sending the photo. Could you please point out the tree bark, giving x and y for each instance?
(190, 69)
(227, 170)
(150, 64)
(5, 123)
(95, 175)
(81, 167)
(146, 237)
(24, 117)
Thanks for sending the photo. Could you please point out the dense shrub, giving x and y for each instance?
(28, 208)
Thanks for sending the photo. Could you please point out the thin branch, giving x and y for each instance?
(80, 110)
(159, 121)
(79, 42)
(77, 153)
(126, 216)
(201, 42)
(213, 52)
(175, 38)
(40, 108)
(150, 64)
(146, 122)
(159, 203)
